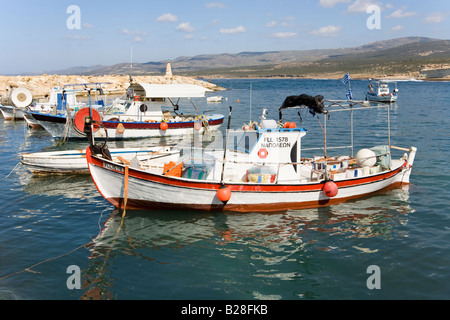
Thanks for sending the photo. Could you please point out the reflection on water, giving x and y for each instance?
(270, 247)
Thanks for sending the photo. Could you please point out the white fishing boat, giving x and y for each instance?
(12, 113)
(141, 116)
(59, 98)
(20, 98)
(264, 170)
(379, 91)
(214, 99)
(74, 161)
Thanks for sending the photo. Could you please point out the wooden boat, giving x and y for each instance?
(74, 161)
(379, 91)
(141, 116)
(263, 171)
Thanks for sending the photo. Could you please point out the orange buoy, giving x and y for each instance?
(197, 125)
(224, 193)
(292, 125)
(286, 125)
(330, 189)
(163, 126)
(120, 129)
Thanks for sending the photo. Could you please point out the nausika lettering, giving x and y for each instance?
(209, 311)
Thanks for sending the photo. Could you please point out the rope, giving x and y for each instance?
(41, 262)
(12, 170)
(28, 269)
(125, 196)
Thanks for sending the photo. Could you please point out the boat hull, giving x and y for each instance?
(382, 98)
(153, 191)
(11, 113)
(57, 127)
(74, 161)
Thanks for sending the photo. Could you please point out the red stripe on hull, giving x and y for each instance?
(134, 204)
(155, 125)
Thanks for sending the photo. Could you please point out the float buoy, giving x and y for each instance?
(120, 128)
(163, 126)
(197, 125)
(286, 125)
(224, 193)
(292, 125)
(330, 189)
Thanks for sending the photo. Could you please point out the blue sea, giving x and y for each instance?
(57, 231)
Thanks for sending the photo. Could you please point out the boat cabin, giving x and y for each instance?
(144, 100)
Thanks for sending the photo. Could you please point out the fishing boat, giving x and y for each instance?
(379, 91)
(59, 99)
(262, 170)
(19, 99)
(139, 116)
(214, 99)
(74, 161)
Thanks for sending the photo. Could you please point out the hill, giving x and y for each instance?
(406, 56)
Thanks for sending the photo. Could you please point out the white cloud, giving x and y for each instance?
(239, 29)
(87, 25)
(138, 39)
(78, 37)
(136, 32)
(435, 17)
(185, 27)
(167, 17)
(361, 6)
(215, 5)
(283, 35)
(328, 31)
(398, 28)
(331, 3)
(400, 13)
(271, 24)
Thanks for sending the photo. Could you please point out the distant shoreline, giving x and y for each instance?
(40, 86)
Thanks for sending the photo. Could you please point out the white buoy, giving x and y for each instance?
(366, 158)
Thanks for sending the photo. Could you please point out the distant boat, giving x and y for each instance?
(379, 91)
(214, 99)
(139, 116)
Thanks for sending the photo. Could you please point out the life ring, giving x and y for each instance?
(263, 153)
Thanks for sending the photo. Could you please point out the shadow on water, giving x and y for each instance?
(265, 242)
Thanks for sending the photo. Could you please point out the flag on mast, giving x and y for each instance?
(346, 78)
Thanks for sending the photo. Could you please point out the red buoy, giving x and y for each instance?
(224, 193)
(330, 189)
(163, 126)
(286, 125)
(292, 125)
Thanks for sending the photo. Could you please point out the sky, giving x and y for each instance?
(51, 35)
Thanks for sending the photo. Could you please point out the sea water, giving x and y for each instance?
(59, 239)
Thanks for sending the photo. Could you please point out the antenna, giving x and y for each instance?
(131, 65)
